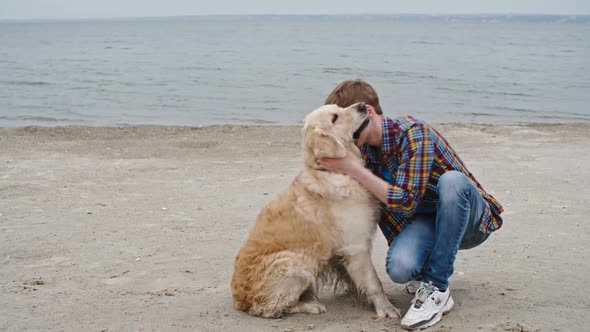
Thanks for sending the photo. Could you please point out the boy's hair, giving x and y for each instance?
(352, 92)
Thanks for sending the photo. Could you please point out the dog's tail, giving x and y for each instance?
(240, 287)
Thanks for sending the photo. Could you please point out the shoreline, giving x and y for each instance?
(265, 125)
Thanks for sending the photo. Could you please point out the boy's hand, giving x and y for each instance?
(347, 165)
(352, 167)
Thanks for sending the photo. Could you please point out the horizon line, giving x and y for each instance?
(106, 18)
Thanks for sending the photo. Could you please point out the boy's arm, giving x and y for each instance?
(376, 185)
(350, 166)
(413, 173)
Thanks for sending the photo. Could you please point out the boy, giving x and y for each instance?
(433, 205)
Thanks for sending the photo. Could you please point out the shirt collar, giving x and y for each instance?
(389, 132)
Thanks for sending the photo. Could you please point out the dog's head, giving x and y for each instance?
(330, 131)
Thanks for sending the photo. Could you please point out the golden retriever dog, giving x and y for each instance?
(319, 228)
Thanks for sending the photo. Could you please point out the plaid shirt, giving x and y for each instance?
(417, 155)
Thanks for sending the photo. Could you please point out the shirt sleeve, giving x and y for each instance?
(412, 175)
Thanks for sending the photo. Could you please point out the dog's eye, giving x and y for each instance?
(334, 117)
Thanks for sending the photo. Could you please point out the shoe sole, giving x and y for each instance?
(435, 319)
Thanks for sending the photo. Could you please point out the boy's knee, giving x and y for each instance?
(401, 268)
(452, 184)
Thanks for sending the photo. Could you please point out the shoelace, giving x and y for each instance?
(422, 295)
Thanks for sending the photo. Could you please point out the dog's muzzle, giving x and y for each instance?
(362, 108)
(364, 125)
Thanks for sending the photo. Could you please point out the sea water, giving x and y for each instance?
(200, 71)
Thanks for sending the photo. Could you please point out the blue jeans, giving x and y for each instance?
(426, 248)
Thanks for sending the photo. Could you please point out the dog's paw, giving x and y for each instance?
(388, 311)
(317, 309)
(313, 308)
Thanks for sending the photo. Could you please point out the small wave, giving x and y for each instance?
(486, 92)
(201, 68)
(543, 114)
(404, 73)
(424, 42)
(514, 94)
(575, 114)
(267, 101)
(398, 73)
(562, 116)
(22, 82)
(99, 81)
(515, 109)
(519, 70)
(337, 70)
(578, 85)
(114, 41)
(258, 121)
(118, 48)
(274, 86)
(37, 119)
(171, 106)
(413, 75)
(246, 121)
(483, 114)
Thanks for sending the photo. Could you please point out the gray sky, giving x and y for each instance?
(27, 9)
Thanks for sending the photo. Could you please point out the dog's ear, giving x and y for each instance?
(325, 145)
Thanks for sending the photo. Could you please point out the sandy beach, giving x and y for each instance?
(135, 229)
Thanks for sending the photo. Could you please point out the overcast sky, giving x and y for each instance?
(30, 9)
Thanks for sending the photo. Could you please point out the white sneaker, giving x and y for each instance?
(413, 286)
(428, 307)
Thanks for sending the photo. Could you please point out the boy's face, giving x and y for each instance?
(373, 130)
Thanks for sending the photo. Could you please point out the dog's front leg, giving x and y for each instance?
(359, 266)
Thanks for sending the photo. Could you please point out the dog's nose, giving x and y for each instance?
(362, 108)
